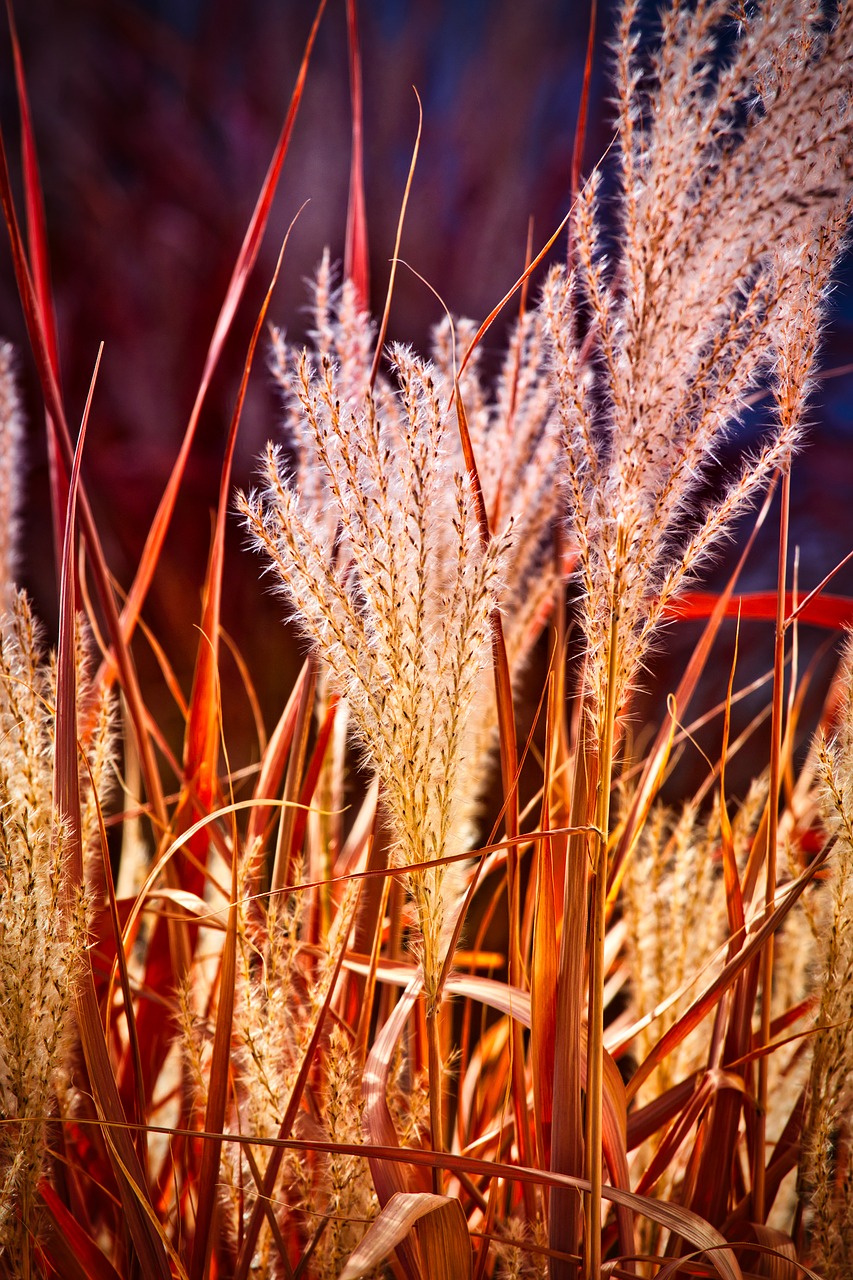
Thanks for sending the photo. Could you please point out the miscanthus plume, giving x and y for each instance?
(734, 167)
(372, 528)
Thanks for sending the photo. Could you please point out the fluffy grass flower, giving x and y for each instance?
(389, 580)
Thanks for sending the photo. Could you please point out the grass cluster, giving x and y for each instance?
(312, 1019)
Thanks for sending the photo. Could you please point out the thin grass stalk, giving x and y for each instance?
(776, 731)
(434, 1073)
(509, 777)
(410, 177)
(567, 1138)
(293, 781)
(595, 1058)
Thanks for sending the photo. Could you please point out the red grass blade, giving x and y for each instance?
(356, 255)
(242, 269)
(202, 735)
(275, 758)
(835, 613)
(731, 876)
(72, 1253)
(583, 109)
(147, 1241)
(37, 237)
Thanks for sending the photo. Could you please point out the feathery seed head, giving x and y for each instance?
(735, 192)
(375, 537)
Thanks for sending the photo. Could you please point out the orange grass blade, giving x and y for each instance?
(200, 789)
(567, 1134)
(203, 724)
(287, 840)
(217, 1099)
(275, 758)
(147, 1241)
(509, 774)
(525, 275)
(312, 774)
(236, 286)
(543, 967)
(731, 876)
(356, 256)
(645, 1121)
(445, 1245)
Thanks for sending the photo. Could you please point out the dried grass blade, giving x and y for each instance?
(567, 1135)
(378, 1122)
(698, 1233)
(543, 968)
(442, 1236)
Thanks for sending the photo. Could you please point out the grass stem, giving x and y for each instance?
(595, 1059)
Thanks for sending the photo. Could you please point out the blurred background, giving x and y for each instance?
(155, 121)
